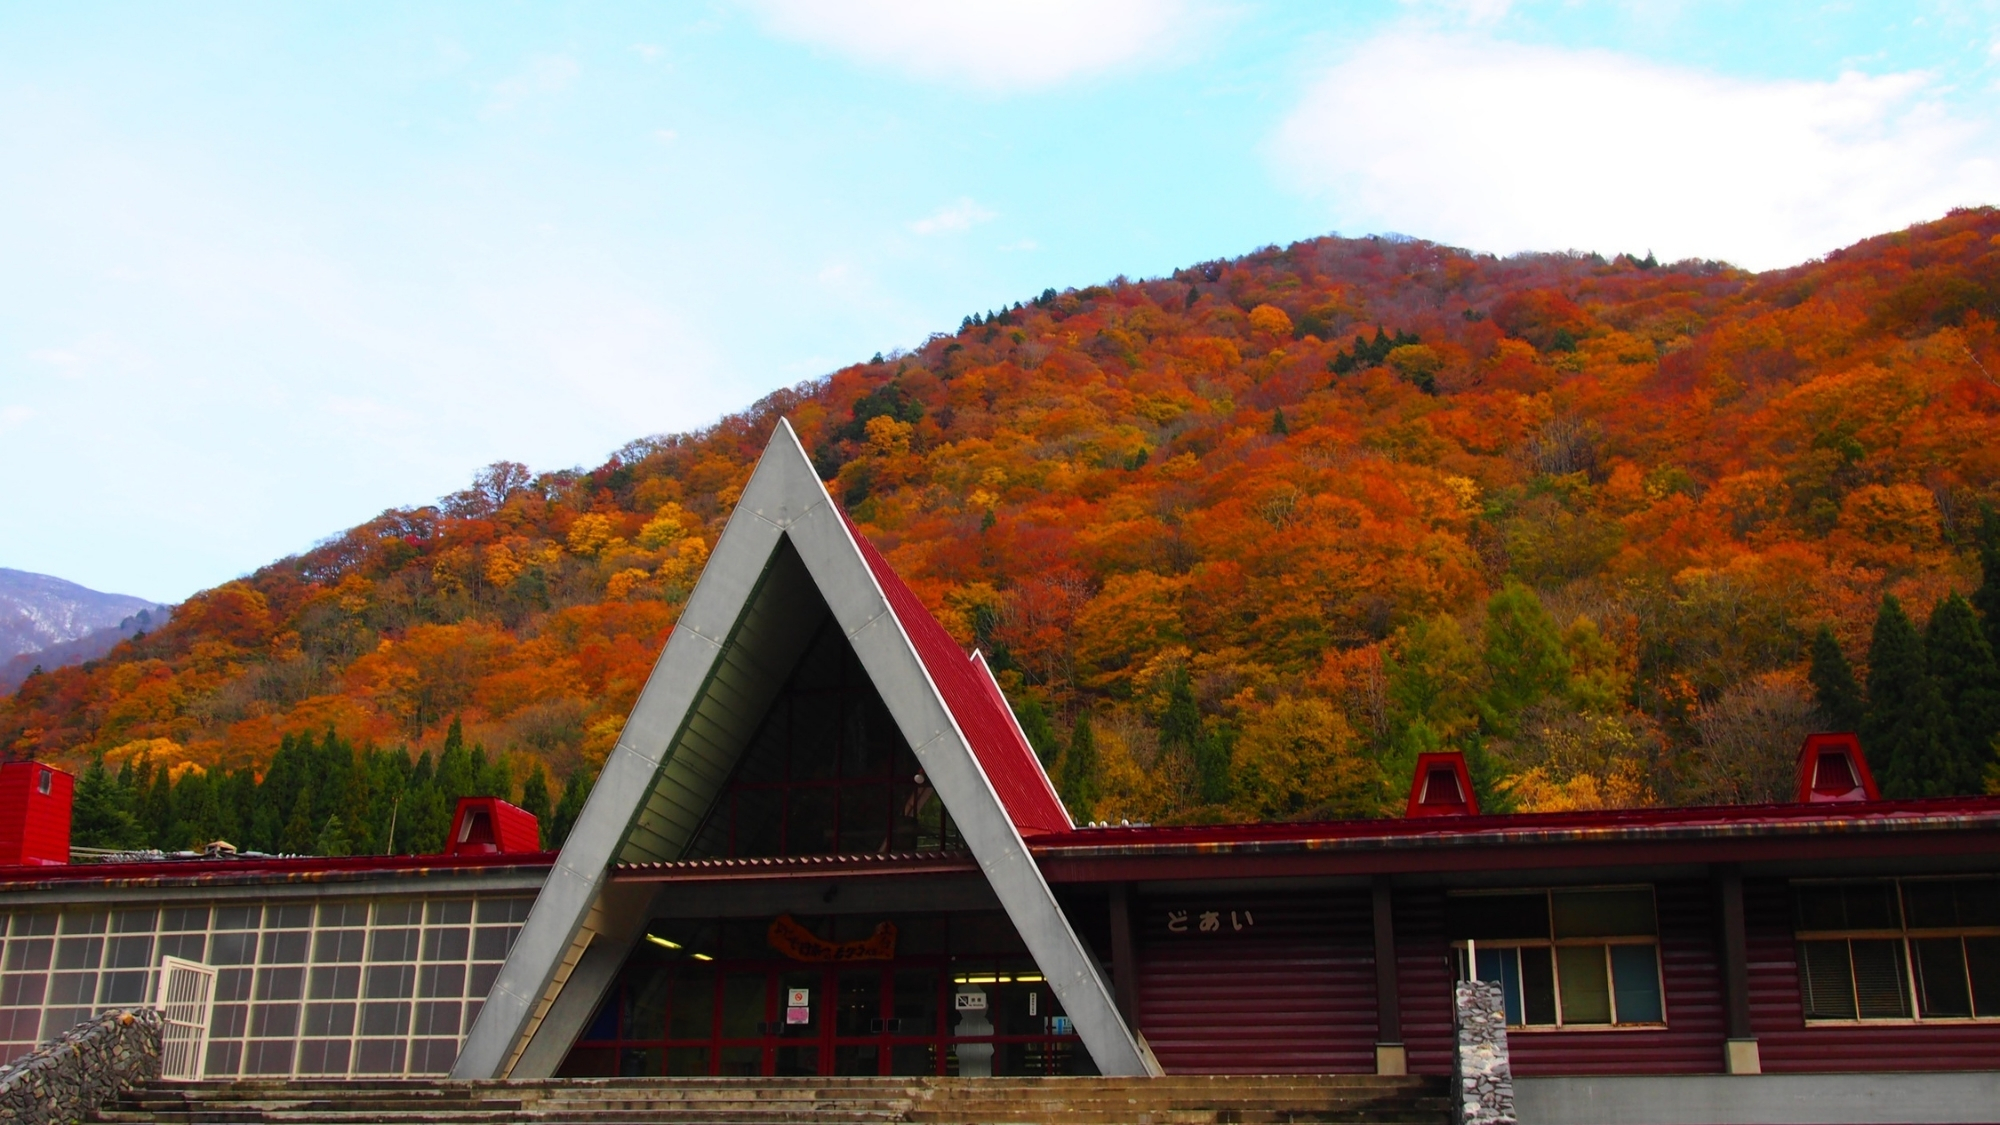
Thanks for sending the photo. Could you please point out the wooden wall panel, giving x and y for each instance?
(1292, 992)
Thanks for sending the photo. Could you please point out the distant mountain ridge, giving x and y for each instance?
(42, 615)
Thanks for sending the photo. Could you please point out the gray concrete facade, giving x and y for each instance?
(785, 553)
(1948, 1098)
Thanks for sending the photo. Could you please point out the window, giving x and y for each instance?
(1570, 958)
(1890, 949)
(329, 988)
(829, 772)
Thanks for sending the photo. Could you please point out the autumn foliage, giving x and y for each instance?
(1251, 536)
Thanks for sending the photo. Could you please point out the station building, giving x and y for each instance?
(822, 845)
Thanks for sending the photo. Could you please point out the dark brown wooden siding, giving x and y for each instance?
(1787, 1044)
(1293, 992)
(1424, 980)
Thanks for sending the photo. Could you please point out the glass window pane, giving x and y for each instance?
(687, 1061)
(401, 913)
(645, 1011)
(1819, 906)
(1826, 980)
(1982, 962)
(1504, 965)
(1871, 906)
(183, 918)
(1604, 913)
(456, 912)
(285, 947)
(860, 1002)
(130, 952)
(445, 945)
(31, 954)
(236, 917)
(1878, 979)
(1586, 994)
(1941, 976)
(1979, 902)
(1635, 977)
(290, 916)
(1538, 987)
(1485, 917)
(134, 922)
(917, 1003)
(693, 1012)
(742, 1005)
(809, 829)
(1930, 904)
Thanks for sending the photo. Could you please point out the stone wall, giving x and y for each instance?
(80, 1071)
(1483, 1084)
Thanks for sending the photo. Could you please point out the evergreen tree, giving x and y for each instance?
(1034, 719)
(575, 791)
(1278, 425)
(332, 839)
(300, 835)
(1962, 663)
(1906, 731)
(1082, 773)
(1986, 599)
(535, 799)
(102, 816)
(1180, 756)
(1834, 689)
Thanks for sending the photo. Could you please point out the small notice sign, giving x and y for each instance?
(971, 1001)
(798, 1015)
(798, 997)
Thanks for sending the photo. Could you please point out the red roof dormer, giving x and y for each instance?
(34, 814)
(489, 825)
(1832, 770)
(1442, 787)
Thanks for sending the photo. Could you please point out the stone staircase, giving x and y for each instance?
(1176, 1100)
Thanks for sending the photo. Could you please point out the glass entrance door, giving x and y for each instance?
(678, 1011)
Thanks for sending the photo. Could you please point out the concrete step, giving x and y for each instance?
(1175, 1100)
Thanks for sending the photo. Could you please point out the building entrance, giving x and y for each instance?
(846, 995)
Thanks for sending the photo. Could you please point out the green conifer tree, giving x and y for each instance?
(535, 799)
(1986, 599)
(1834, 689)
(101, 814)
(1906, 731)
(1278, 425)
(1034, 719)
(1962, 663)
(1082, 772)
(575, 792)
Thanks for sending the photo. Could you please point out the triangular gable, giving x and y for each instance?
(785, 548)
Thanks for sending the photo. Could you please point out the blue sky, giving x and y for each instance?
(267, 269)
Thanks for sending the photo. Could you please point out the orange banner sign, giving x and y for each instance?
(793, 940)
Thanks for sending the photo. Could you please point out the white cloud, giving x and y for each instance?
(992, 45)
(12, 416)
(544, 75)
(665, 136)
(950, 219)
(1505, 147)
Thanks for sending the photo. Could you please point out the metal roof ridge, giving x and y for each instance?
(829, 859)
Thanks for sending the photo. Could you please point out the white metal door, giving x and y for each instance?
(187, 998)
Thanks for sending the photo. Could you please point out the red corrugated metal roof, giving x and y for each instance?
(975, 701)
(274, 869)
(1717, 820)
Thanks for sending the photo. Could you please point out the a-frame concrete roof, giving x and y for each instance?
(787, 557)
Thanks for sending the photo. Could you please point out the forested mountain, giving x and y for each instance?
(1241, 542)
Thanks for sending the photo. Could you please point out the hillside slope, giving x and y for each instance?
(1242, 540)
(40, 610)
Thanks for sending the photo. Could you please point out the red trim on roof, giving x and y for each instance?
(274, 868)
(975, 701)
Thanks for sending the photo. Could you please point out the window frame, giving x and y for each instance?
(1460, 947)
(1905, 935)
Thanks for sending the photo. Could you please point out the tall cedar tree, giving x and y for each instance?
(1962, 663)
(1082, 772)
(1834, 689)
(1907, 731)
(1034, 719)
(1986, 599)
(103, 817)
(535, 799)
(575, 792)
